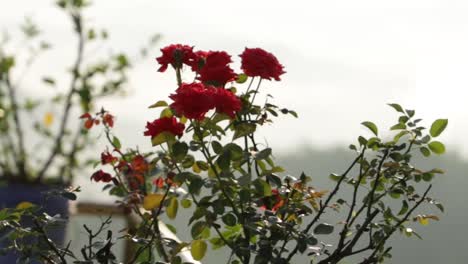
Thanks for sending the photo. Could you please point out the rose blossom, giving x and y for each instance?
(258, 62)
(192, 100)
(226, 102)
(164, 124)
(215, 68)
(176, 55)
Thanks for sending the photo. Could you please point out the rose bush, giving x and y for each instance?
(206, 157)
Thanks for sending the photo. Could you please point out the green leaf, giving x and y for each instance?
(323, 229)
(237, 153)
(410, 112)
(244, 129)
(425, 151)
(335, 177)
(398, 126)
(116, 143)
(217, 147)
(293, 113)
(437, 147)
(217, 243)
(263, 154)
(438, 127)
(427, 177)
(172, 208)
(179, 150)
(186, 203)
(224, 160)
(262, 187)
(172, 228)
(197, 229)
(404, 208)
(241, 78)
(397, 107)
(371, 126)
(229, 219)
(198, 249)
(158, 104)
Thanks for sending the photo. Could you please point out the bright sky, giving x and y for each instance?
(344, 59)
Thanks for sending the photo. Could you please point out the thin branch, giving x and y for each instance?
(52, 246)
(325, 205)
(396, 226)
(68, 101)
(21, 158)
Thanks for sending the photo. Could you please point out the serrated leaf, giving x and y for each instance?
(371, 126)
(438, 127)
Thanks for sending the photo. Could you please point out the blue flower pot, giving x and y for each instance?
(15, 193)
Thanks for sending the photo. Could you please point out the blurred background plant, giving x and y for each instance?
(40, 140)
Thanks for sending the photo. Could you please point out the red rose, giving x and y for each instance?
(107, 158)
(192, 100)
(176, 55)
(164, 124)
(226, 102)
(101, 176)
(108, 120)
(258, 62)
(200, 59)
(215, 70)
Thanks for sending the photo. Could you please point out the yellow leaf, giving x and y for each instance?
(48, 119)
(162, 138)
(152, 201)
(423, 221)
(24, 205)
(195, 168)
(183, 120)
(158, 104)
(167, 112)
(172, 208)
(198, 249)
